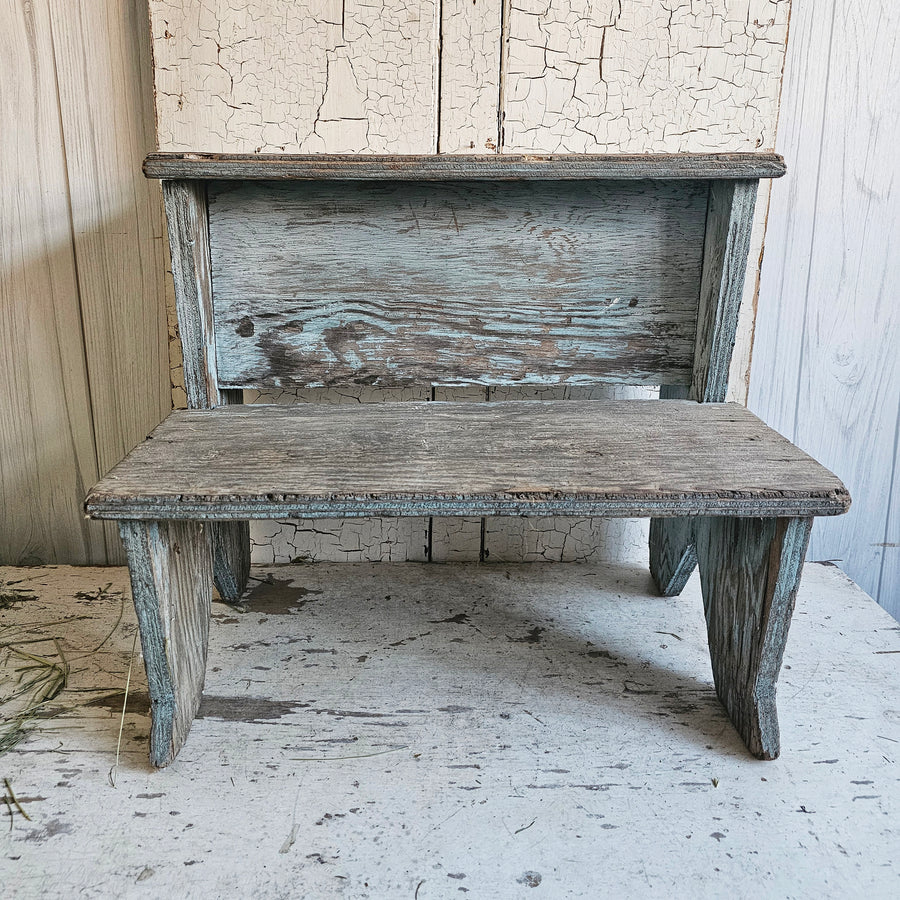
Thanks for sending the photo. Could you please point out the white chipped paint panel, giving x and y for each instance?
(317, 76)
(470, 75)
(614, 541)
(339, 540)
(660, 76)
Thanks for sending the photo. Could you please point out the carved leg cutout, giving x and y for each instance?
(231, 558)
(171, 582)
(750, 570)
(673, 555)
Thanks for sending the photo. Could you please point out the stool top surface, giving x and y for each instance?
(605, 458)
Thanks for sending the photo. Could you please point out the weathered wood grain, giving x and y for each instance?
(231, 558)
(673, 555)
(728, 228)
(615, 458)
(171, 583)
(186, 211)
(507, 166)
(455, 283)
(749, 572)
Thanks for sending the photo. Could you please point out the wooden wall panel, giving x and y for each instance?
(102, 53)
(48, 458)
(826, 370)
(83, 268)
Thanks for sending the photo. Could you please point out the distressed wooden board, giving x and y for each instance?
(469, 68)
(336, 76)
(826, 370)
(171, 568)
(189, 245)
(729, 224)
(673, 554)
(592, 458)
(750, 571)
(268, 167)
(615, 541)
(742, 355)
(48, 452)
(583, 76)
(454, 283)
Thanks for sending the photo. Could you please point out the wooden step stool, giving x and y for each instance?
(390, 271)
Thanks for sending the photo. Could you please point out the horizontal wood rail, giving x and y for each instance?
(449, 167)
(601, 458)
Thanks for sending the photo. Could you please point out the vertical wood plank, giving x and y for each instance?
(189, 247)
(171, 583)
(231, 558)
(48, 457)
(742, 356)
(749, 572)
(469, 76)
(729, 223)
(188, 220)
(826, 370)
(102, 57)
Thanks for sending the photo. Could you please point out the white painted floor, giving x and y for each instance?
(412, 731)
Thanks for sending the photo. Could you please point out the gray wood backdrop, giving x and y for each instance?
(83, 344)
(826, 360)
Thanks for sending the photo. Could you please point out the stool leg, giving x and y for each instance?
(749, 572)
(672, 554)
(171, 583)
(231, 558)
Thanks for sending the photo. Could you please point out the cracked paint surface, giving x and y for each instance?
(660, 76)
(470, 75)
(336, 76)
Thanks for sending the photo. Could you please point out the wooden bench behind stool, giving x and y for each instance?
(390, 271)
